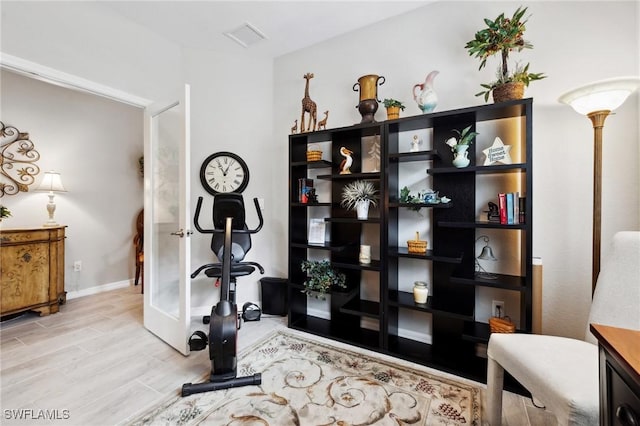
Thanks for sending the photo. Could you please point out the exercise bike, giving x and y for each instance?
(230, 242)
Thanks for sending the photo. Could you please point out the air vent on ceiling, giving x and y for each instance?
(246, 35)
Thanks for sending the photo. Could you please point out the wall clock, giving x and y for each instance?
(224, 172)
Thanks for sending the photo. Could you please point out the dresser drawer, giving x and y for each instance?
(22, 237)
(624, 402)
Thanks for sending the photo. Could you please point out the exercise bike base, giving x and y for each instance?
(190, 388)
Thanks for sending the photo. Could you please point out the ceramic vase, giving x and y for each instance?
(362, 209)
(461, 156)
(424, 95)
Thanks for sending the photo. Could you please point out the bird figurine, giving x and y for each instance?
(426, 98)
(345, 165)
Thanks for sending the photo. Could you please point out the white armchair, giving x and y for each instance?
(560, 372)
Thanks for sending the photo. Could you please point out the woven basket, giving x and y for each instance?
(501, 325)
(314, 154)
(508, 92)
(417, 246)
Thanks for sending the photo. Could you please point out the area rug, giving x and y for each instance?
(310, 382)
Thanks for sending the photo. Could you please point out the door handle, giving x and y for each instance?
(181, 234)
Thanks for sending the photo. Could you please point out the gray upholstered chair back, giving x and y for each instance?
(616, 301)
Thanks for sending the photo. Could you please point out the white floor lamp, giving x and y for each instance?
(51, 182)
(597, 100)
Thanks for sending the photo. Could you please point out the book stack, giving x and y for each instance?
(511, 208)
(305, 190)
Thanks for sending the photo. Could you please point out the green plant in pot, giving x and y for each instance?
(321, 277)
(4, 212)
(502, 36)
(393, 107)
(407, 198)
(359, 195)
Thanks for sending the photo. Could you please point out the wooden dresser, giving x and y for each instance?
(32, 270)
(619, 375)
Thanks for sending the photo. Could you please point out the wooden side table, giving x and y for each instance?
(619, 375)
(32, 270)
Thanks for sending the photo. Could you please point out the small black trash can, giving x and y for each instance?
(274, 295)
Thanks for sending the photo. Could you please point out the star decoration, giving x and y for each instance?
(498, 152)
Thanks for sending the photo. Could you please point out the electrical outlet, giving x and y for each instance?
(77, 266)
(497, 308)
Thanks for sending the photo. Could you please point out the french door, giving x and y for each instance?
(167, 294)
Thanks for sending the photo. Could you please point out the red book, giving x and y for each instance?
(502, 208)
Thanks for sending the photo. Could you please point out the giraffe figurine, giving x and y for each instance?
(322, 124)
(294, 128)
(308, 106)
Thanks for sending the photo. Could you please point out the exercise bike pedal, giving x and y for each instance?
(198, 341)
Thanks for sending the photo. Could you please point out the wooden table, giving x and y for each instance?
(32, 270)
(619, 374)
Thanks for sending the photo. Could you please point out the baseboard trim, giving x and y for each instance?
(99, 289)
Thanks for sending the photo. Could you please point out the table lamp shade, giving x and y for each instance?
(603, 95)
(51, 182)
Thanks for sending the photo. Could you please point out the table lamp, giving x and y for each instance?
(51, 182)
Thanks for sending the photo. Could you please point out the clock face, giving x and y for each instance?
(224, 172)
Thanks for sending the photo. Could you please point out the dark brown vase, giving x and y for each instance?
(368, 109)
(508, 92)
(368, 86)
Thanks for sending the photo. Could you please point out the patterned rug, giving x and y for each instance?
(308, 382)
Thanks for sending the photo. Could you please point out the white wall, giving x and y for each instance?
(95, 144)
(86, 39)
(568, 50)
(232, 110)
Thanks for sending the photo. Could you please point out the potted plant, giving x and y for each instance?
(4, 212)
(407, 198)
(359, 195)
(460, 146)
(393, 107)
(321, 277)
(503, 36)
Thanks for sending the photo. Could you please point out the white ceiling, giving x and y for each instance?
(288, 25)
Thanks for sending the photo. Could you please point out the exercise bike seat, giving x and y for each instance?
(215, 271)
(229, 205)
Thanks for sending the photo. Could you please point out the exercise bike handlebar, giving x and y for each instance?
(221, 231)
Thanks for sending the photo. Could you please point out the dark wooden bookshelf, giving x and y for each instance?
(458, 336)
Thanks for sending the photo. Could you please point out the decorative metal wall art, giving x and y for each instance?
(18, 157)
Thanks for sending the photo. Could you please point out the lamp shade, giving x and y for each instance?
(603, 95)
(51, 182)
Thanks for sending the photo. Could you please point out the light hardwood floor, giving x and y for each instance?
(94, 363)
